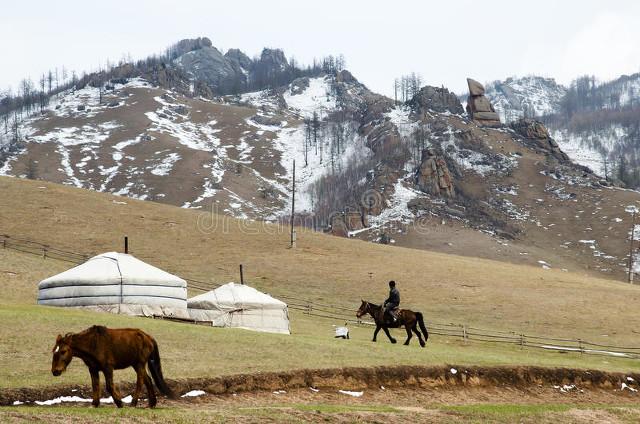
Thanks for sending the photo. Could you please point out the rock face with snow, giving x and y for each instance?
(436, 99)
(433, 176)
(536, 134)
(479, 107)
(526, 97)
(229, 72)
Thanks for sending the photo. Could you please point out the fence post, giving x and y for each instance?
(521, 341)
(580, 346)
(44, 252)
(464, 333)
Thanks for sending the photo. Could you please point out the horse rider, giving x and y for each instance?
(392, 302)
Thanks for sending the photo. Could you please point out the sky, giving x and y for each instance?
(443, 41)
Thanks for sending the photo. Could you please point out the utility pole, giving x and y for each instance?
(633, 230)
(293, 205)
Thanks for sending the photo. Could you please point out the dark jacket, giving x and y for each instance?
(394, 297)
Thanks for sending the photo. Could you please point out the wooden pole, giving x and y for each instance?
(241, 275)
(126, 244)
(293, 205)
(633, 228)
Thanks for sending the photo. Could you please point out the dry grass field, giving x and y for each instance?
(446, 288)
(208, 247)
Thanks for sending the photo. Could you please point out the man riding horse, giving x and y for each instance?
(392, 303)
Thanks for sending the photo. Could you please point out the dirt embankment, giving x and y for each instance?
(413, 377)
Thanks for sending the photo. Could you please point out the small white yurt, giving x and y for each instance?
(240, 306)
(117, 283)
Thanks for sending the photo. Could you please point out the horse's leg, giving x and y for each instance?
(386, 331)
(108, 376)
(139, 382)
(415, 330)
(375, 333)
(95, 386)
(150, 391)
(407, 327)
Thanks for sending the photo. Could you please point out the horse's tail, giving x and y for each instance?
(422, 326)
(156, 372)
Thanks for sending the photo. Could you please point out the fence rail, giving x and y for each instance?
(347, 315)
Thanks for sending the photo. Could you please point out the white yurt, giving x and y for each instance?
(240, 306)
(117, 283)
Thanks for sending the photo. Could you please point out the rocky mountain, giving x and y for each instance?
(595, 123)
(231, 72)
(526, 97)
(422, 174)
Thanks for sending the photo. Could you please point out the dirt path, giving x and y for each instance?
(448, 385)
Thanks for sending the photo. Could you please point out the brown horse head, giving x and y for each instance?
(62, 355)
(363, 309)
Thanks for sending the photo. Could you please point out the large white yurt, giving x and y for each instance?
(240, 306)
(117, 283)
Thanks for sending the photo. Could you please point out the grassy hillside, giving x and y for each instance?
(29, 331)
(446, 288)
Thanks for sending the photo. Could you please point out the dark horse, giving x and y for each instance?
(408, 318)
(104, 349)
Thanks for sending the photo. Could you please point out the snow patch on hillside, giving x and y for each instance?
(399, 116)
(397, 210)
(315, 98)
(165, 166)
(291, 143)
(586, 148)
(194, 136)
(529, 96)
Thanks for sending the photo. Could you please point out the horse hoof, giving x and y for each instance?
(118, 404)
(394, 341)
(95, 404)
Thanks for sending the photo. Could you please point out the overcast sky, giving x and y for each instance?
(444, 41)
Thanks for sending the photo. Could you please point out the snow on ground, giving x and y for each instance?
(194, 393)
(475, 161)
(397, 210)
(290, 142)
(351, 393)
(584, 148)
(535, 96)
(315, 98)
(78, 399)
(166, 165)
(399, 116)
(194, 136)
(262, 100)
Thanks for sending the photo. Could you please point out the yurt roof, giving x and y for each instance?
(235, 296)
(113, 268)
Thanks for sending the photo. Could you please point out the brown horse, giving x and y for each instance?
(408, 318)
(104, 349)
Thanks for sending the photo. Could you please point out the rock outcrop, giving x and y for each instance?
(536, 135)
(479, 107)
(436, 99)
(350, 220)
(207, 64)
(231, 72)
(433, 176)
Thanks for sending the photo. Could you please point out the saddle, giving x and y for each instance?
(392, 317)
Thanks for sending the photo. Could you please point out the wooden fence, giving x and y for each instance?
(344, 314)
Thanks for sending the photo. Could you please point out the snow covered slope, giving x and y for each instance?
(530, 96)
